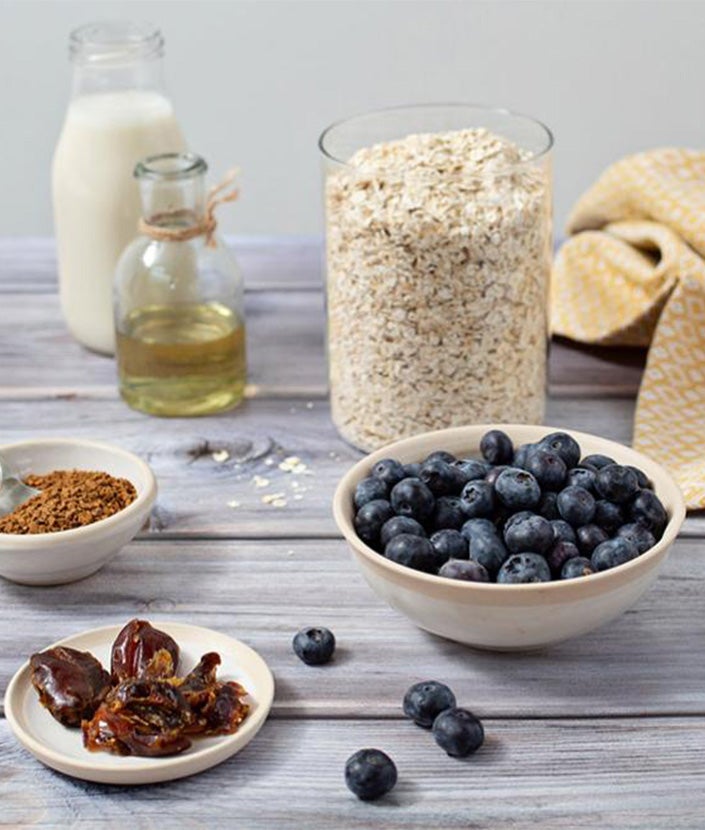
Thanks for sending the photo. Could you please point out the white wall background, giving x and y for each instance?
(255, 82)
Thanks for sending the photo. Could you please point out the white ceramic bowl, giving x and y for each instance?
(507, 617)
(56, 558)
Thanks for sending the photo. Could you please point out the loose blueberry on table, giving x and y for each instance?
(423, 702)
(459, 732)
(370, 774)
(533, 513)
(315, 646)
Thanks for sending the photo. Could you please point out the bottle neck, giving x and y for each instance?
(110, 57)
(146, 75)
(173, 191)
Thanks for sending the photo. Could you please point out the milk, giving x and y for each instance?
(96, 199)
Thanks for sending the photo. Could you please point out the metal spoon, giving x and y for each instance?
(13, 492)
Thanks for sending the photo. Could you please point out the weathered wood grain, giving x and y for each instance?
(28, 264)
(551, 774)
(286, 328)
(260, 572)
(285, 347)
(263, 592)
(194, 489)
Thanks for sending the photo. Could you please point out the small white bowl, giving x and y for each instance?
(68, 555)
(507, 617)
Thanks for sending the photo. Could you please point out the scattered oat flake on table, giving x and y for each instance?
(293, 464)
(260, 481)
(220, 456)
(233, 504)
(273, 498)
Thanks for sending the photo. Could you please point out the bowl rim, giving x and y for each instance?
(360, 469)
(34, 541)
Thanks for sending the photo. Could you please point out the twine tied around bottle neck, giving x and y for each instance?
(174, 231)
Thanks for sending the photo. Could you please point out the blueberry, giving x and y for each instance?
(370, 773)
(412, 470)
(647, 510)
(609, 516)
(645, 482)
(597, 461)
(465, 569)
(488, 549)
(576, 506)
(517, 517)
(589, 537)
(413, 552)
(532, 533)
(548, 506)
(564, 445)
(370, 518)
(478, 499)
(442, 478)
(472, 469)
(496, 447)
(423, 702)
(370, 489)
(548, 468)
(517, 489)
(440, 455)
(521, 455)
(459, 732)
(315, 646)
(449, 544)
(398, 525)
(616, 483)
(524, 567)
(582, 477)
(478, 527)
(448, 512)
(575, 567)
(411, 497)
(563, 532)
(613, 552)
(389, 470)
(494, 472)
(642, 537)
(559, 554)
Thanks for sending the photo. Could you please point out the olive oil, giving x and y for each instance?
(182, 359)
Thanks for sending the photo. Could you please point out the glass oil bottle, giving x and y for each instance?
(180, 328)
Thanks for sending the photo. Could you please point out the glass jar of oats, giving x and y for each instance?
(438, 253)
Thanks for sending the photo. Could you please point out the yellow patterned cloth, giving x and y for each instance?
(633, 273)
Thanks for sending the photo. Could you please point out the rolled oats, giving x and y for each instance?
(438, 256)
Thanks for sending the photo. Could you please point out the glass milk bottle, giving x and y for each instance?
(118, 114)
(179, 298)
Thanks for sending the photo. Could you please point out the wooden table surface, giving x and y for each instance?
(605, 731)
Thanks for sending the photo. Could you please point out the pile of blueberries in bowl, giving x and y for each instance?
(533, 513)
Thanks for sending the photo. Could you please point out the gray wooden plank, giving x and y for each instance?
(28, 264)
(194, 489)
(284, 343)
(550, 774)
(286, 333)
(285, 351)
(263, 591)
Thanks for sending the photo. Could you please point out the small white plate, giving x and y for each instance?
(62, 748)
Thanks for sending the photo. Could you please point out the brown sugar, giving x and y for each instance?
(69, 498)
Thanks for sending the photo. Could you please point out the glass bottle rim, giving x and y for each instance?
(172, 166)
(115, 42)
(458, 106)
